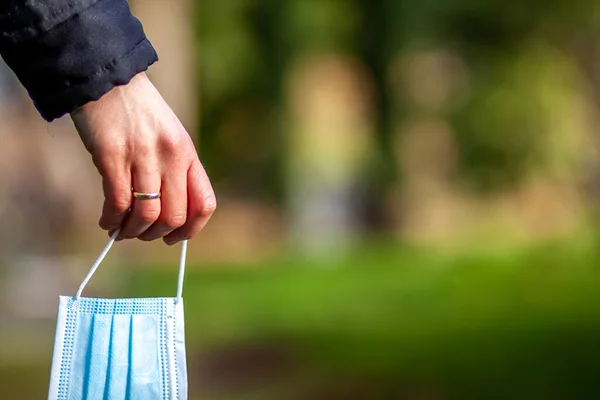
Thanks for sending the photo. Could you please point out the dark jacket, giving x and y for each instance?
(69, 52)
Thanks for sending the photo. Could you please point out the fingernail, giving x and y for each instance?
(170, 241)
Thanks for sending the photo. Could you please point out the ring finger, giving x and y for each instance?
(173, 211)
(144, 212)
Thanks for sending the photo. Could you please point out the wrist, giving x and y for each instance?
(136, 82)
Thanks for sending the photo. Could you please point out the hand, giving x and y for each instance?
(136, 141)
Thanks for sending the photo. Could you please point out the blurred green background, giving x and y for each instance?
(408, 202)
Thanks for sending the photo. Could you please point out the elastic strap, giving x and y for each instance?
(107, 249)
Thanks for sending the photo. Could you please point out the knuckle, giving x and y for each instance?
(149, 215)
(143, 149)
(170, 144)
(175, 221)
(120, 205)
(209, 206)
(105, 153)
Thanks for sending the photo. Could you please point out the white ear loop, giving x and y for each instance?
(107, 248)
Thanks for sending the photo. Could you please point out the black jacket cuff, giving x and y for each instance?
(79, 59)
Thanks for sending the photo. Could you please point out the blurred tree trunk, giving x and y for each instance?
(330, 125)
(586, 49)
(331, 130)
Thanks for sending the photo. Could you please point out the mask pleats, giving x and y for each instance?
(118, 358)
(90, 357)
(144, 366)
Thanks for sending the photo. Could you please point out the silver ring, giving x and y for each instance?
(146, 196)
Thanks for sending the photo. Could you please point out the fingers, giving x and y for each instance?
(173, 206)
(146, 179)
(201, 204)
(116, 183)
(187, 199)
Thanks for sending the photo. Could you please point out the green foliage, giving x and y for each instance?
(316, 25)
(525, 101)
(247, 46)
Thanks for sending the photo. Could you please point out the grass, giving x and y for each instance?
(481, 326)
(388, 323)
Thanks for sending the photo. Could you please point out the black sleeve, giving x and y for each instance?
(69, 52)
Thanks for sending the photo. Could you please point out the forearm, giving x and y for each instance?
(70, 52)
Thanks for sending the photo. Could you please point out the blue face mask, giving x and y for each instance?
(120, 349)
